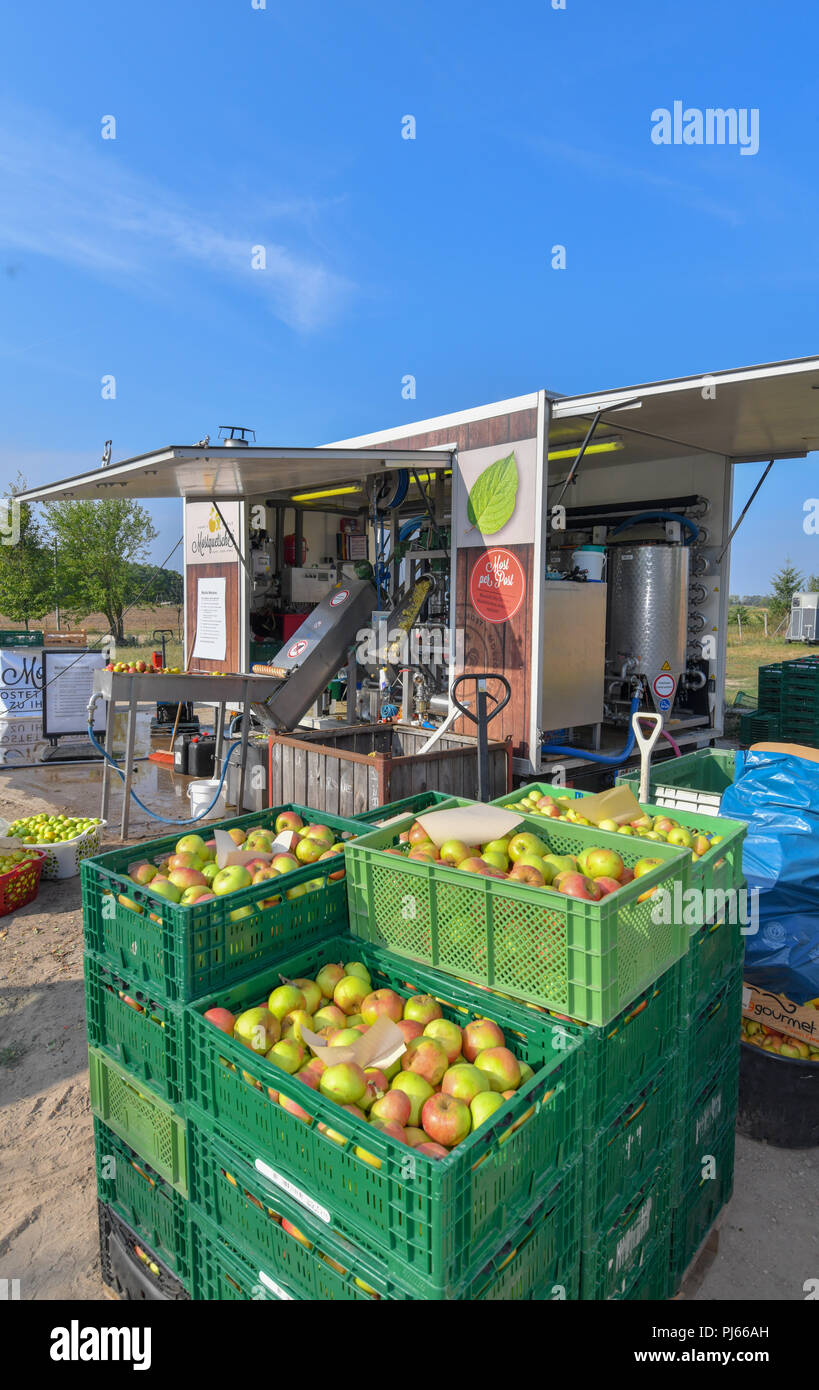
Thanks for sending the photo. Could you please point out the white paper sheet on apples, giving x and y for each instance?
(380, 1046)
(474, 825)
(228, 852)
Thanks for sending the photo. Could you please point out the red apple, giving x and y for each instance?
(432, 1150)
(222, 1019)
(527, 873)
(288, 820)
(393, 1105)
(382, 1001)
(446, 1120)
(410, 1029)
(427, 1057)
(480, 1034)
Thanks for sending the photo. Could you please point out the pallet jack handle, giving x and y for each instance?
(481, 717)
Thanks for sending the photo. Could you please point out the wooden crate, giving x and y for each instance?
(368, 765)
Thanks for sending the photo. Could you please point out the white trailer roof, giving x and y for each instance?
(195, 472)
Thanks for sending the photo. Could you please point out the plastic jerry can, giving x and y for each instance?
(180, 752)
(201, 756)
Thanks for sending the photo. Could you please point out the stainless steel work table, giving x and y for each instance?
(118, 689)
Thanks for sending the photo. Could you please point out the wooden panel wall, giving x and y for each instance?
(502, 647)
(230, 573)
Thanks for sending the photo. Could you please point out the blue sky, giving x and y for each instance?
(282, 127)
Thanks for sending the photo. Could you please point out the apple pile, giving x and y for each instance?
(141, 668)
(525, 858)
(784, 1044)
(51, 830)
(15, 859)
(655, 828)
(191, 874)
(447, 1082)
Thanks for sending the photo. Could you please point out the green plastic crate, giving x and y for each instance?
(652, 1282)
(409, 805)
(146, 1122)
(759, 726)
(702, 1121)
(715, 951)
(182, 953)
(145, 1037)
(711, 1036)
(770, 688)
(587, 960)
(700, 1206)
(618, 1159)
(693, 782)
(153, 1209)
(427, 1214)
(9, 638)
(536, 1256)
(611, 1266)
(719, 869)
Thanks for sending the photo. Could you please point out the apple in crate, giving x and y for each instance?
(454, 851)
(480, 1034)
(422, 1008)
(163, 888)
(350, 993)
(142, 873)
(257, 1029)
(322, 833)
(309, 851)
(192, 844)
(417, 1089)
(231, 879)
(603, 863)
(393, 1106)
(382, 1001)
(446, 1120)
(465, 1081)
(529, 872)
(427, 1057)
(501, 1066)
(222, 1019)
(344, 1083)
(484, 1106)
(448, 1034)
(288, 820)
(526, 843)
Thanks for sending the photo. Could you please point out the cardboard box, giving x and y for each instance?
(780, 1013)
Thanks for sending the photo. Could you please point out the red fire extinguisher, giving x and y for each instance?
(290, 550)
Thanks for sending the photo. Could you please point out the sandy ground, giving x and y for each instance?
(769, 1241)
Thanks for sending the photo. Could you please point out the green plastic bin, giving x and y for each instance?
(711, 1037)
(239, 1240)
(693, 782)
(618, 1159)
(409, 805)
(715, 951)
(620, 1257)
(701, 1205)
(702, 1121)
(719, 869)
(181, 953)
(135, 1028)
(586, 960)
(146, 1122)
(426, 1214)
(153, 1209)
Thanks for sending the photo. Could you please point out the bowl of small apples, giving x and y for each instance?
(62, 840)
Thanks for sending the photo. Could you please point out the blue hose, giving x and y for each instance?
(610, 759)
(166, 820)
(692, 527)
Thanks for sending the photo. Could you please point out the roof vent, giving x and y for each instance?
(236, 436)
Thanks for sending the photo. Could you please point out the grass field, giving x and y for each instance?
(746, 657)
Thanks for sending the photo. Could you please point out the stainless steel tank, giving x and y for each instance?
(647, 616)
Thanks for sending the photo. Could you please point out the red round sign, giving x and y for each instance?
(497, 585)
(297, 648)
(339, 597)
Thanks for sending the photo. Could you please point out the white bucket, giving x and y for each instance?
(590, 559)
(201, 795)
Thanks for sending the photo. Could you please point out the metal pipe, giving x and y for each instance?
(741, 516)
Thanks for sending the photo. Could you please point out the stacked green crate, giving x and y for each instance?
(708, 1084)
(769, 693)
(800, 701)
(144, 958)
(295, 1197)
(759, 726)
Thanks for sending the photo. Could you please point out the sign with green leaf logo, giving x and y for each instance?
(493, 495)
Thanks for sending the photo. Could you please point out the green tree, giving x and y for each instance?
(157, 585)
(26, 564)
(784, 585)
(97, 545)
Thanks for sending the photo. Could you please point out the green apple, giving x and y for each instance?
(526, 843)
(417, 1089)
(484, 1105)
(499, 846)
(496, 861)
(231, 879)
(284, 999)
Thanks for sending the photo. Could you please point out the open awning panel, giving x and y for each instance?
(193, 472)
(752, 413)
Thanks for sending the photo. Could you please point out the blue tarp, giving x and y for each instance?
(778, 795)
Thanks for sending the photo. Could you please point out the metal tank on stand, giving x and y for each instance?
(647, 620)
